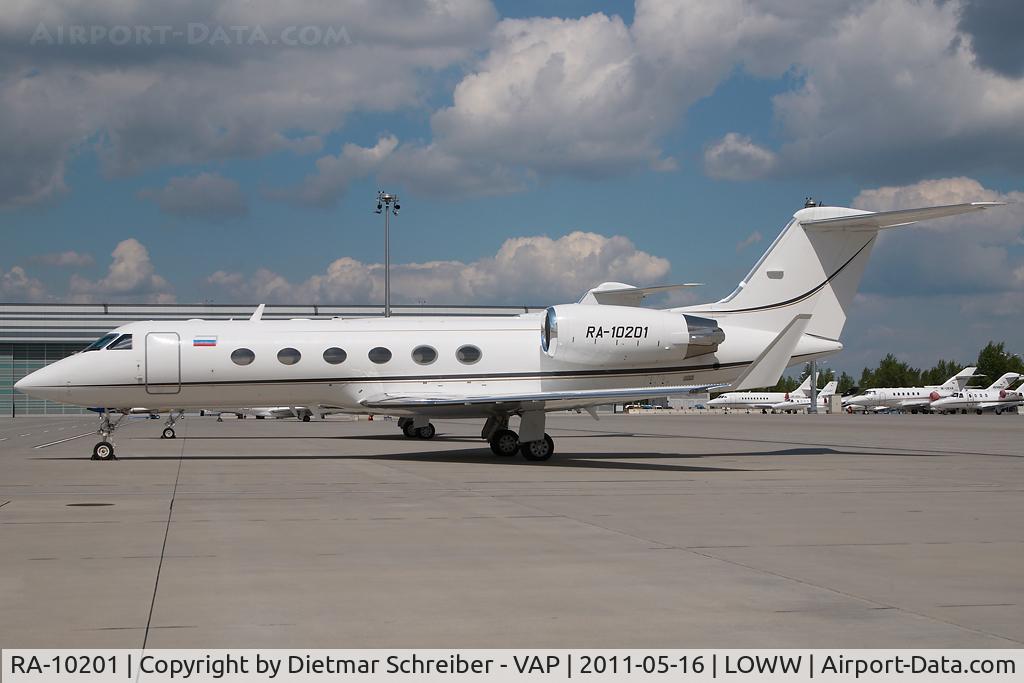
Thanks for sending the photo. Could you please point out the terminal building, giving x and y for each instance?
(34, 335)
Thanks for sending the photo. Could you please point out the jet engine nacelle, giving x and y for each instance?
(594, 334)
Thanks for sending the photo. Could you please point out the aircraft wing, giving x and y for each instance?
(626, 295)
(892, 219)
(915, 402)
(548, 400)
(985, 405)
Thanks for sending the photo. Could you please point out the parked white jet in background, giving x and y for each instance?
(790, 309)
(914, 399)
(802, 403)
(760, 400)
(996, 398)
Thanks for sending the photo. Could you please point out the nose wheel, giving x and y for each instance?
(104, 450)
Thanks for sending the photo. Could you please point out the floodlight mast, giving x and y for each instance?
(387, 204)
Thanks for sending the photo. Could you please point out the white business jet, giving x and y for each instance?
(801, 403)
(914, 399)
(761, 400)
(790, 309)
(997, 398)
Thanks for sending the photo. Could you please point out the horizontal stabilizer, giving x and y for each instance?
(767, 368)
(892, 219)
(619, 294)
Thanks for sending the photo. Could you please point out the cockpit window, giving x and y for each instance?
(100, 343)
(124, 343)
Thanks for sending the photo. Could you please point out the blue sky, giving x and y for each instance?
(662, 142)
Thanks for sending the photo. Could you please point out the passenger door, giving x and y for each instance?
(163, 363)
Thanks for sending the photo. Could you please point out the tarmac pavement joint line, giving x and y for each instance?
(163, 547)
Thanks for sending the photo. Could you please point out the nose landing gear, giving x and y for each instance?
(104, 450)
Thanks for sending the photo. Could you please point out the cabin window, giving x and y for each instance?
(468, 354)
(242, 356)
(289, 356)
(379, 354)
(424, 355)
(334, 355)
(122, 344)
(100, 343)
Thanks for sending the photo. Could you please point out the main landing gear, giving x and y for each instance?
(168, 432)
(104, 450)
(416, 428)
(506, 443)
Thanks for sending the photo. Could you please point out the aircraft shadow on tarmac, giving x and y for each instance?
(600, 461)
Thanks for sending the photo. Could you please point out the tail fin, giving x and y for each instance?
(829, 389)
(814, 267)
(805, 387)
(1005, 381)
(958, 381)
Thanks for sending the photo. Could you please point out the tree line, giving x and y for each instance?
(993, 362)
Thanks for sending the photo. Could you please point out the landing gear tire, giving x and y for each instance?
(168, 433)
(979, 411)
(409, 430)
(306, 418)
(427, 432)
(104, 450)
(505, 443)
(538, 451)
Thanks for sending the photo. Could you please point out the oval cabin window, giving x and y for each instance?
(424, 355)
(289, 356)
(468, 354)
(334, 355)
(242, 356)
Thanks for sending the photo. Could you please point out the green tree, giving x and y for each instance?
(895, 373)
(994, 361)
(941, 371)
(787, 384)
(867, 379)
(845, 383)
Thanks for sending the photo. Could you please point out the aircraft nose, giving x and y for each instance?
(25, 383)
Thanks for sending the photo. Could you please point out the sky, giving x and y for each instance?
(231, 150)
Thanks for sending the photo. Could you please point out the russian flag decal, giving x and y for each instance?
(204, 341)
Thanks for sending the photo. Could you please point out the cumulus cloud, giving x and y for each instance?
(233, 94)
(525, 270)
(131, 275)
(206, 196)
(64, 259)
(736, 157)
(17, 286)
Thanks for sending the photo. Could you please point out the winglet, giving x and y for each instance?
(258, 315)
(769, 366)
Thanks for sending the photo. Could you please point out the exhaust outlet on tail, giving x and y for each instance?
(704, 335)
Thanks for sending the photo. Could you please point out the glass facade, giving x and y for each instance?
(18, 360)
